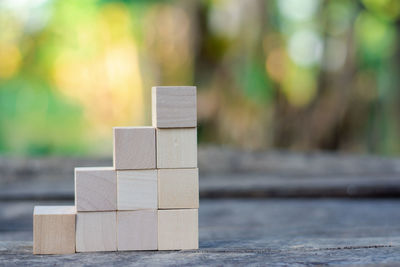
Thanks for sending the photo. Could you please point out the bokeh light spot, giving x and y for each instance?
(276, 64)
(305, 47)
(300, 86)
(10, 60)
(298, 10)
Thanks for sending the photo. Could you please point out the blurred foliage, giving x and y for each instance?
(283, 74)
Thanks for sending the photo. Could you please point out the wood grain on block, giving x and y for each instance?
(177, 148)
(54, 229)
(137, 230)
(95, 189)
(178, 229)
(137, 189)
(174, 106)
(96, 231)
(178, 188)
(134, 148)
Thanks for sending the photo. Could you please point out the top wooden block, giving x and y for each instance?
(174, 106)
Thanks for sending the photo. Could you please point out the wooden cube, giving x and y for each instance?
(137, 189)
(137, 230)
(178, 188)
(174, 106)
(178, 229)
(177, 148)
(96, 231)
(54, 229)
(95, 189)
(134, 148)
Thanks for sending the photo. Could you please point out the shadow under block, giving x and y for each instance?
(137, 189)
(177, 148)
(96, 231)
(134, 148)
(178, 188)
(137, 230)
(95, 189)
(178, 229)
(174, 106)
(54, 229)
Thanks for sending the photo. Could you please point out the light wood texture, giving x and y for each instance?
(137, 230)
(95, 189)
(178, 229)
(134, 148)
(177, 148)
(96, 231)
(137, 189)
(178, 188)
(54, 230)
(174, 106)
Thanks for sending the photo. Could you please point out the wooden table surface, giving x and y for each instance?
(293, 232)
(254, 211)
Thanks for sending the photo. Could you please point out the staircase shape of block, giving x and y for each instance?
(148, 200)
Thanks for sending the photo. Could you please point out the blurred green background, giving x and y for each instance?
(285, 74)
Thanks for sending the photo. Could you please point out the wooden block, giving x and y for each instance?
(178, 229)
(96, 231)
(54, 229)
(95, 189)
(178, 188)
(137, 189)
(174, 106)
(177, 148)
(137, 230)
(134, 148)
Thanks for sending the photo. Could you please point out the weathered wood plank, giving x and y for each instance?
(218, 160)
(254, 185)
(19, 255)
(233, 185)
(242, 232)
(226, 173)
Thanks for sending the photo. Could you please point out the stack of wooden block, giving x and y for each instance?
(148, 201)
